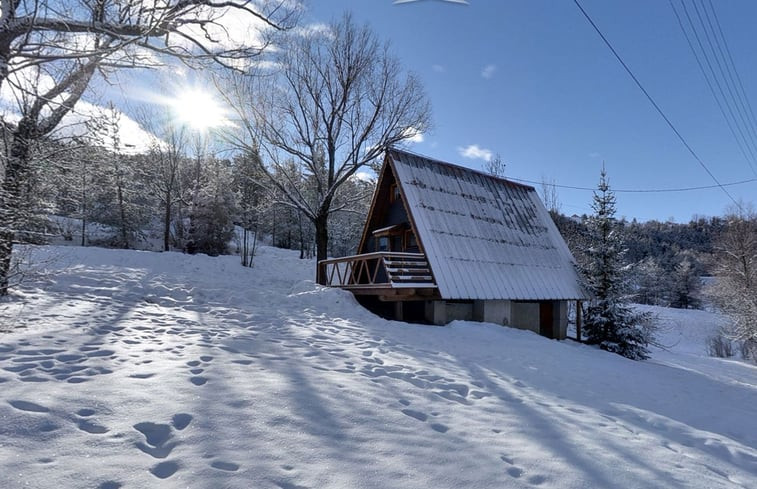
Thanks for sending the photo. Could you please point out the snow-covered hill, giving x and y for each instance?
(136, 369)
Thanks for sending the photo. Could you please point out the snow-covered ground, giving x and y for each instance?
(138, 369)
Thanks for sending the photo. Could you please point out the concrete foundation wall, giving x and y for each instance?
(525, 315)
(459, 311)
(492, 311)
(522, 315)
(436, 312)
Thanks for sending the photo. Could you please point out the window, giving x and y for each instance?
(410, 241)
(394, 193)
(382, 243)
(397, 242)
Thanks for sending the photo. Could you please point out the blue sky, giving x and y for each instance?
(532, 81)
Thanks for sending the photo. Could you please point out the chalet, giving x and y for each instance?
(444, 242)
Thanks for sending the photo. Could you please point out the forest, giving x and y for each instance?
(165, 199)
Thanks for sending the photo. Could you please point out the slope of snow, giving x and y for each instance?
(138, 369)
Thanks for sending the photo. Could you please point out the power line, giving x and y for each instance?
(710, 84)
(730, 57)
(737, 101)
(654, 104)
(637, 191)
(732, 65)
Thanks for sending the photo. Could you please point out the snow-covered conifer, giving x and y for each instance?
(213, 207)
(610, 322)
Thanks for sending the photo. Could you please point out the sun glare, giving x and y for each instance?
(198, 109)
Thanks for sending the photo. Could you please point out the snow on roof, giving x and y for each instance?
(485, 237)
(387, 229)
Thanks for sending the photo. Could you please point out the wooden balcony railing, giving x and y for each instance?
(377, 270)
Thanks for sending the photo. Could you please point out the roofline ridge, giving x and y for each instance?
(465, 168)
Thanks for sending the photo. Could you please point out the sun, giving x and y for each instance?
(198, 109)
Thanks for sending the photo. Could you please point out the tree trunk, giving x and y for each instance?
(321, 242)
(302, 235)
(167, 224)
(254, 245)
(84, 210)
(6, 249)
(11, 198)
(179, 242)
(122, 212)
(273, 226)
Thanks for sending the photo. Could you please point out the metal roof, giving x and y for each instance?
(484, 237)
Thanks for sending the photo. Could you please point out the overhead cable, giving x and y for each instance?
(655, 105)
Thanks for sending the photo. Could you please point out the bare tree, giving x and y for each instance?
(167, 159)
(38, 119)
(550, 197)
(119, 172)
(66, 44)
(495, 166)
(340, 99)
(125, 32)
(736, 289)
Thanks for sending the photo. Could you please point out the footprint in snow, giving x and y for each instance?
(91, 427)
(515, 472)
(100, 353)
(142, 376)
(506, 459)
(288, 485)
(415, 414)
(157, 436)
(110, 485)
(181, 420)
(242, 362)
(225, 466)
(420, 416)
(29, 406)
(537, 480)
(164, 470)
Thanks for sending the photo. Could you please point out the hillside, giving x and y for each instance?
(127, 369)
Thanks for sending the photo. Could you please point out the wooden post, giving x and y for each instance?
(579, 313)
(398, 311)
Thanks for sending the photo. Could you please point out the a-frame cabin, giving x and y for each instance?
(444, 242)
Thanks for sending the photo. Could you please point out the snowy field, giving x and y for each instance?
(127, 369)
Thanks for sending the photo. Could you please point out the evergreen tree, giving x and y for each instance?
(253, 202)
(120, 198)
(609, 321)
(211, 222)
(651, 283)
(686, 282)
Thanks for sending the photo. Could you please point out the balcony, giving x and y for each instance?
(382, 273)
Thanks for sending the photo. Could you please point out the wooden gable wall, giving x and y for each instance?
(385, 210)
